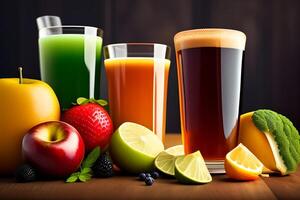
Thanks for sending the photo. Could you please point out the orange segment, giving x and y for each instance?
(256, 141)
(241, 164)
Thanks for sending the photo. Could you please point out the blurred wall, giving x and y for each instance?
(272, 27)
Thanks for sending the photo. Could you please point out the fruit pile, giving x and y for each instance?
(136, 149)
(82, 143)
(57, 148)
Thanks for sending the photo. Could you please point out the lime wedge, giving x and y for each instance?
(177, 150)
(191, 169)
(134, 147)
(165, 160)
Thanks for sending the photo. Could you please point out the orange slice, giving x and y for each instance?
(241, 164)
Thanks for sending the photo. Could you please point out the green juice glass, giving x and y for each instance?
(70, 61)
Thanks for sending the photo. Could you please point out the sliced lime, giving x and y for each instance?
(133, 147)
(177, 150)
(191, 169)
(166, 159)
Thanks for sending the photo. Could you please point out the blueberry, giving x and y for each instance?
(155, 175)
(142, 176)
(149, 180)
(148, 175)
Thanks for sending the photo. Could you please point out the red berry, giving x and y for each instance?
(92, 122)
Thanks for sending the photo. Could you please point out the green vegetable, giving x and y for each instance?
(285, 135)
(85, 172)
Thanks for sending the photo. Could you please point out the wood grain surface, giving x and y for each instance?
(128, 187)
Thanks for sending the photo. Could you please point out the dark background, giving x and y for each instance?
(272, 51)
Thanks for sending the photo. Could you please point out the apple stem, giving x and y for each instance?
(20, 75)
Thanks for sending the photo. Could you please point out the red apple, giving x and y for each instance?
(54, 148)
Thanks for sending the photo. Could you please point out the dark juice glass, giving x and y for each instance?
(209, 66)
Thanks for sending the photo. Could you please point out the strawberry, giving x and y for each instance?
(92, 122)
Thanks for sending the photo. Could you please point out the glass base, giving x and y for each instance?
(215, 167)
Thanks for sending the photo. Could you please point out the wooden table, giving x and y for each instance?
(127, 187)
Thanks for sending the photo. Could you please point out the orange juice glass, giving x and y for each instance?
(137, 75)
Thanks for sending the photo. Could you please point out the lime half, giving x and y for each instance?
(134, 147)
(165, 160)
(191, 169)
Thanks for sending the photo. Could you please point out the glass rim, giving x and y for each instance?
(136, 44)
(73, 26)
(203, 30)
(137, 50)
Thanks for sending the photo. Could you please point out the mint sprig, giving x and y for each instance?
(85, 172)
(91, 158)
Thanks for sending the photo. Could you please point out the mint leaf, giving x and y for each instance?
(86, 170)
(72, 179)
(85, 177)
(75, 174)
(91, 158)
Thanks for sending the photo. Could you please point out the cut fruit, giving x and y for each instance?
(191, 169)
(177, 150)
(165, 161)
(241, 164)
(134, 148)
(256, 141)
(272, 138)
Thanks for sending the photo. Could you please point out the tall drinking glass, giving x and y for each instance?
(137, 77)
(70, 60)
(209, 66)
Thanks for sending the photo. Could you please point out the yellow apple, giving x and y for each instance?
(24, 103)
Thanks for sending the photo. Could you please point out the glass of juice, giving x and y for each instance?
(70, 60)
(209, 67)
(137, 75)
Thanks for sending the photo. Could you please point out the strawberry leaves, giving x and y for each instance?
(82, 101)
(85, 173)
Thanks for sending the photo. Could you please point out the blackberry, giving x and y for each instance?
(25, 173)
(149, 181)
(103, 167)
